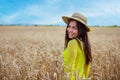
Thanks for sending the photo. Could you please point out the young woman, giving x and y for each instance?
(77, 54)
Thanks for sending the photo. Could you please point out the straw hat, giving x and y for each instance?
(78, 17)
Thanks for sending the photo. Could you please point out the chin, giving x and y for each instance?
(71, 37)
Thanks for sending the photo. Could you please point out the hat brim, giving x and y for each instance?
(66, 19)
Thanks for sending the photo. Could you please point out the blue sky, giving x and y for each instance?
(49, 12)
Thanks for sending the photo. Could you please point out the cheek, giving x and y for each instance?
(67, 29)
(76, 32)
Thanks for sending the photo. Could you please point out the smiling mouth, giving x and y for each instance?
(70, 35)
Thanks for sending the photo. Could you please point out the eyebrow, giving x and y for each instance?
(71, 26)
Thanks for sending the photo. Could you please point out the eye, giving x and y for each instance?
(75, 28)
(69, 26)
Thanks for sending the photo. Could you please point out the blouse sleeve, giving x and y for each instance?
(72, 53)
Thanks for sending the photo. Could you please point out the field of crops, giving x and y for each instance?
(35, 53)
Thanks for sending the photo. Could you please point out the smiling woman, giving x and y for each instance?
(77, 54)
(72, 29)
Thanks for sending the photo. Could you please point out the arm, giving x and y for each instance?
(71, 52)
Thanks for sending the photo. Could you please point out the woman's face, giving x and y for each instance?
(72, 29)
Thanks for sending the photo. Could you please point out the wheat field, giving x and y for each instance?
(35, 53)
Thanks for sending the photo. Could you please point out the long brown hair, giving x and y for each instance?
(82, 34)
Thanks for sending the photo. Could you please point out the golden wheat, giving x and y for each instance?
(35, 53)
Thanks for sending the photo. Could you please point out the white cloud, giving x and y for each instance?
(30, 11)
(9, 18)
(104, 9)
(52, 11)
(33, 11)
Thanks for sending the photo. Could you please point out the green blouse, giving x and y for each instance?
(74, 60)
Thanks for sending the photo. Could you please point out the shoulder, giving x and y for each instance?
(73, 42)
(76, 43)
